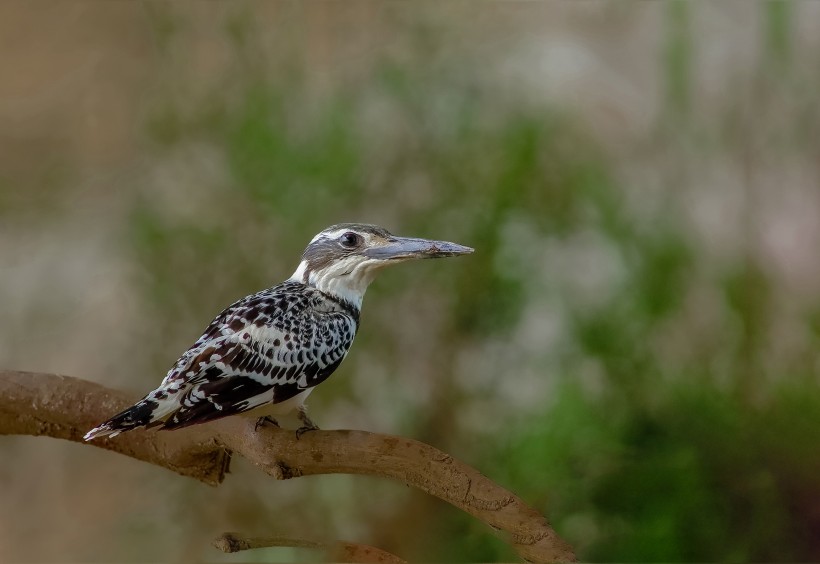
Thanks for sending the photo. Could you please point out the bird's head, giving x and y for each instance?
(343, 259)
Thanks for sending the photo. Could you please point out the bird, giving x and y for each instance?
(264, 354)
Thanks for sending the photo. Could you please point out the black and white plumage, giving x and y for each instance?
(264, 354)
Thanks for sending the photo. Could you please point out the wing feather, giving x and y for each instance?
(253, 354)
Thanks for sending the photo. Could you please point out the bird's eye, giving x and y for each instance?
(350, 239)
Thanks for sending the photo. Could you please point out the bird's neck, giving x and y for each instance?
(341, 280)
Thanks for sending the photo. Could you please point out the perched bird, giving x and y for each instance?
(264, 354)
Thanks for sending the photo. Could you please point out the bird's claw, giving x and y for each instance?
(266, 420)
(307, 424)
(302, 430)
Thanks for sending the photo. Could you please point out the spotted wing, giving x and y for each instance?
(264, 349)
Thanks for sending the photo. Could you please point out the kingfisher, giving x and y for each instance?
(264, 354)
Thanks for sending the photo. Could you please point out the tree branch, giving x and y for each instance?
(339, 551)
(65, 407)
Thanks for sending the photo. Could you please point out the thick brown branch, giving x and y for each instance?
(338, 551)
(65, 407)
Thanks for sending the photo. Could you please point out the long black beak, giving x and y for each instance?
(404, 248)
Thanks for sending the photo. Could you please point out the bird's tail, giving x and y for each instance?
(143, 413)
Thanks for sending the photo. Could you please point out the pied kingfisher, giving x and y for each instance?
(264, 354)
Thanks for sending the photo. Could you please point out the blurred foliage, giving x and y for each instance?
(778, 31)
(677, 63)
(653, 440)
(697, 475)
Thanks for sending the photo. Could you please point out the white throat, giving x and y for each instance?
(347, 279)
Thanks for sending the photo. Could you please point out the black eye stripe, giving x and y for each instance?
(326, 249)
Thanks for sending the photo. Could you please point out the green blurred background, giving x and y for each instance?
(633, 348)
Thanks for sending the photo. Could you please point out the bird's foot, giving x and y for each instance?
(302, 430)
(266, 420)
(307, 424)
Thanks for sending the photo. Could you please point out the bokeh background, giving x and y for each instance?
(633, 348)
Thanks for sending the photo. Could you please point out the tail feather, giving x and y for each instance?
(141, 414)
